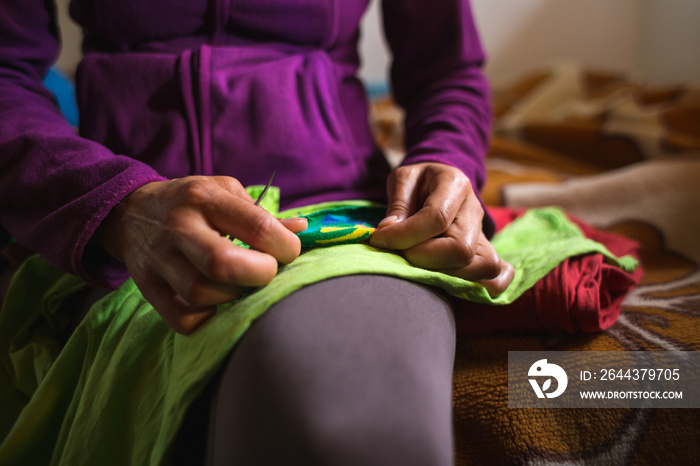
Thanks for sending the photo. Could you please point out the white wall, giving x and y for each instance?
(670, 43)
(373, 50)
(522, 35)
(654, 40)
(70, 38)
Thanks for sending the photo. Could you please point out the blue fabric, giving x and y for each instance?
(62, 87)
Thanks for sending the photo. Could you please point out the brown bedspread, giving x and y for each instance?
(624, 158)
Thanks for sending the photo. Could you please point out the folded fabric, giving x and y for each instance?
(583, 293)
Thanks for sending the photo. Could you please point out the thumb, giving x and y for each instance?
(402, 196)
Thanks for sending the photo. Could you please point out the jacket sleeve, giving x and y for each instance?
(436, 77)
(55, 187)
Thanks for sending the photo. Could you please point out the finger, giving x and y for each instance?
(293, 224)
(218, 259)
(174, 311)
(232, 185)
(496, 286)
(254, 226)
(434, 217)
(192, 286)
(485, 265)
(229, 208)
(457, 247)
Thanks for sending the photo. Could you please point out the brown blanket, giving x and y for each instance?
(624, 158)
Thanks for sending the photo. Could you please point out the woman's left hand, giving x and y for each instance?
(434, 218)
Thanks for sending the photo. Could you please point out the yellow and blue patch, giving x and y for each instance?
(341, 225)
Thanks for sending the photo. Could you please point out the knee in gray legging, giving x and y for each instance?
(355, 370)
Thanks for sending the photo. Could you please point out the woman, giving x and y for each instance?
(184, 103)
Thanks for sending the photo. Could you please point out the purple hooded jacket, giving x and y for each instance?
(170, 88)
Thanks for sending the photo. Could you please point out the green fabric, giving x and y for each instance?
(271, 201)
(116, 392)
(534, 244)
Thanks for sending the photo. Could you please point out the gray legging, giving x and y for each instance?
(355, 370)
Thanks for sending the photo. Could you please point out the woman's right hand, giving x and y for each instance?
(170, 235)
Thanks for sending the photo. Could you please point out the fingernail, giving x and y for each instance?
(378, 244)
(389, 221)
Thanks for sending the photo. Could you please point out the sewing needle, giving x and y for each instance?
(264, 191)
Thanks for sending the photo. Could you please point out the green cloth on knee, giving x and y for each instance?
(117, 390)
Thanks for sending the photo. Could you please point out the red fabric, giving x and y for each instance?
(583, 293)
